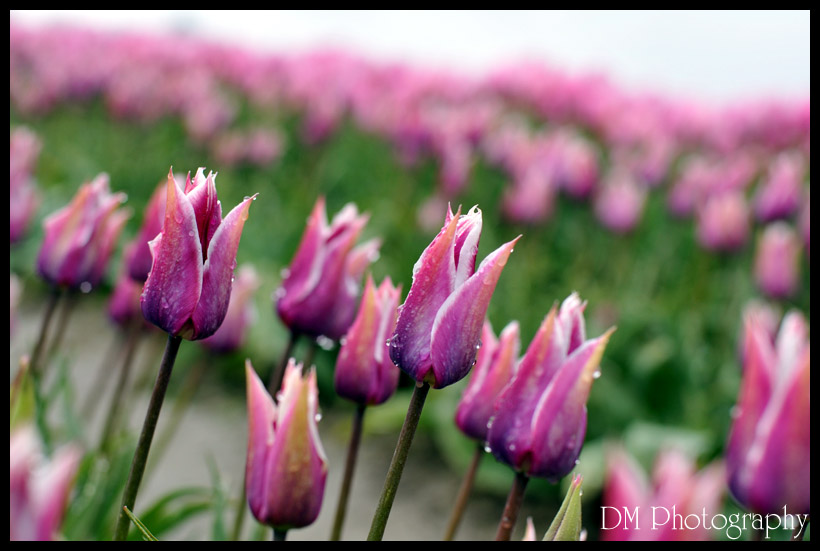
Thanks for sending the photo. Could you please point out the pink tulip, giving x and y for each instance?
(777, 261)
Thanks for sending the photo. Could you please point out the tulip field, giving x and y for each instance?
(556, 307)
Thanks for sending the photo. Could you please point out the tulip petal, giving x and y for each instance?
(559, 420)
(217, 274)
(457, 326)
(433, 281)
(174, 284)
(261, 417)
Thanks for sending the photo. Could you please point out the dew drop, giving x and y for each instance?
(511, 447)
(343, 341)
(577, 461)
(324, 342)
(191, 233)
(734, 412)
(580, 493)
(317, 417)
(85, 287)
(285, 273)
(280, 292)
(487, 448)
(596, 374)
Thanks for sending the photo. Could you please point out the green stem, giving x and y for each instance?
(129, 496)
(62, 324)
(350, 466)
(51, 306)
(239, 519)
(391, 483)
(279, 535)
(464, 494)
(122, 382)
(510, 515)
(278, 373)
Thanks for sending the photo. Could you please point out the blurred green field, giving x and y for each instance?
(670, 371)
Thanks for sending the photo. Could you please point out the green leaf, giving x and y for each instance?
(146, 533)
(567, 523)
(176, 507)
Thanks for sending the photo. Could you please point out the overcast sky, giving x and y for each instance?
(713, 55)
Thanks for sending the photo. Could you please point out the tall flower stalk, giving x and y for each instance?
(186, 293)
(439, 327)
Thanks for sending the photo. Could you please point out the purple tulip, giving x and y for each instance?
(780, 193)
(494, 367)
(286, 467)
(364, 372)
(620, 201)
(676, 484)
(723, 222)
(540, 417)
(38, 489)
(241, 313)
(439, 327)
(769, 450)
(24, 147)
(319, 291)
(189, 286)
(80, 237)
(777, 261)
(137, 254)
(124, 303)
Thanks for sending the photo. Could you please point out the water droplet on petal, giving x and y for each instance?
(324, 342)
(317, 417)
(85, 287)
(487, 448)
(596, 374)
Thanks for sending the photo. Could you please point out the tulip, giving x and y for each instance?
(676, 486)
(723, 222)
(319, 290)
(495, 366)
(777, 261)
(124, 303)
(540, 417)
(364, 372)
(189, 286)
(24, 147)
(38, 489)
(768, 452)
(620, 202)
(286, 466)
(138, 253)
(80, 237)
(439, 327)
(241, 313)
(780, 193)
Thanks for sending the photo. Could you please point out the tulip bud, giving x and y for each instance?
(38, 489)
(439, 326)
(364, 371)
(286, 466)
(80, 237)
(566, 526)
(189, 286)
(319, 290)
(777, 261)
(241, 313)
(768, 453)
(540, 417)
(494, 367)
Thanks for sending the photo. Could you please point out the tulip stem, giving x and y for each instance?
(279, 535)
(464, 493)
(510, 515)
(51, 306)
(101, 376)
(391, 483)
(278, 373)
(62, 324)
(239, 519)
(350, 465)
(129, 496)
(122, 382)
